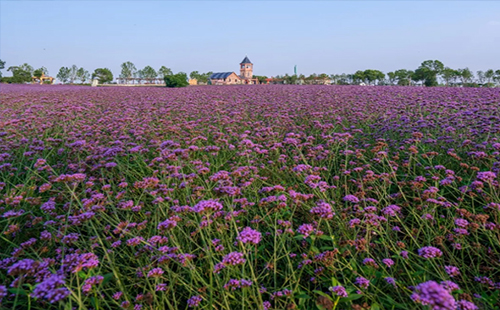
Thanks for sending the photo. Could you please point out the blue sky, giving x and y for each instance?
(317, 36)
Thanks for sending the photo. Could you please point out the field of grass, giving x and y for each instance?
(249, 197)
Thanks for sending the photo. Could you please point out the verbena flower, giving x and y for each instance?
(434, 295)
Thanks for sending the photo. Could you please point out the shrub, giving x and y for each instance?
(176, 80)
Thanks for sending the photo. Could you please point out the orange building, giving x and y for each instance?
(231, 78)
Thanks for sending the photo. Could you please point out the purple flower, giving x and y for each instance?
(339, 291)
(430, 252)
(266, 305)
(466, 305)
(323, 210)
(3, 292)
(248, 235)
(351, 198)
(452, 271)
(51, 289)
(234, 258)
(207, 205)
(486, 176)
(305, 229)
(194, 301)
(390, 281)
(155, 273)
(404, 254)
(362, 282)
(388, 262)
(450, 286)
(432, 294)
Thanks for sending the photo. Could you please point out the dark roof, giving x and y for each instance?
(220, 75)
(246, 61)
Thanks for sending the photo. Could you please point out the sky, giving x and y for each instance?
(330, 37)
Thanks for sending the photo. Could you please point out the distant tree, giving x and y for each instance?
(148, 73)
(2, 65)
(104, 75)
(391, 77)
(63, 74)
(128, 70)
(403, 77)
(41, 71)
(358, 77)
(489, 75)
(448, 75)
(480, 77)
(27, 68)
(429, 71)
(82, 75)
(164, 71)
(497, 76)
(21, 74)
(176, 80)
(194, 75)
(204, 77)
(465, 75)
(72, 73)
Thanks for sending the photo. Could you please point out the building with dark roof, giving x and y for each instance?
(229, 78)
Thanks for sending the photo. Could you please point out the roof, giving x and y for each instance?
(220, 75)
(246, 61)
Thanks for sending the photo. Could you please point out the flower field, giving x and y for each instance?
(265, 197)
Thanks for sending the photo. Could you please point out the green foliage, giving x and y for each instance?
(164, 71)
(2, 65)
(128, 70)
(41, 71)
(21, 74)
(104, 75)
(63, 74)
(177, 80)
(148, 73)
(261, 78)
(82, 75)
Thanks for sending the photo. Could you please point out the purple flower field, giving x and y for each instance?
(249, 197)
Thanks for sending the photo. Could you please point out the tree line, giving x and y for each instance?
(429, 73)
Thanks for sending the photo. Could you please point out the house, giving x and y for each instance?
(231, 78)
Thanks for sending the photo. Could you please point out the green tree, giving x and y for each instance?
(358, 77)
(481, 78)
(21, 74)
(72, 74)
(63, 74)
(82, 75)
(448, 75)
(465, 75)
(128, 70)
(194, 75)
(2, 65)
(104, 75)
(41, 71)
(148, 73)
(392, 77)
(429, 71)
(164, 71)
(403, 77)
(489, 75)
(176, 80)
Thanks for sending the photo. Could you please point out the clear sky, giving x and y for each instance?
(317, 36)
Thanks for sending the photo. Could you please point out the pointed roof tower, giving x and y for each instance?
(246, 61)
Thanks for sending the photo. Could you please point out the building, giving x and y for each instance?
(231, 78)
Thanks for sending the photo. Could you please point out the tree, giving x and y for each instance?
(82, 75)
(448, 75)
(128, 70)
(164, 71)
(392, 77)
(21, 74)
(480, 77)
(403, 77)
(148, 73)
(358, 77)
(63, 74)
(176, 80)
(41, 71)
(489, 75)
(104, 75)
(194, 75)
(497, 75)
(2, 65)
(428, 72)
(465, 75)
(72, 74)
